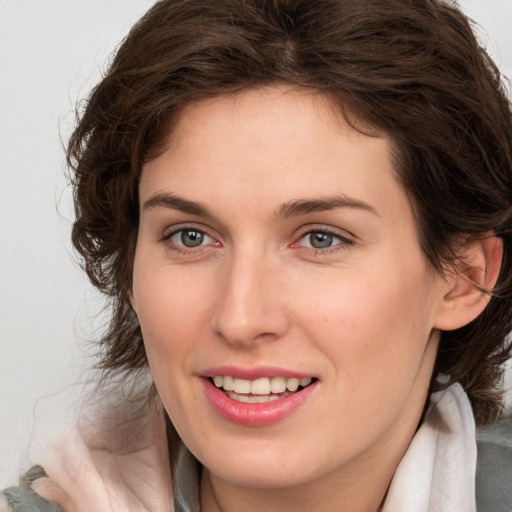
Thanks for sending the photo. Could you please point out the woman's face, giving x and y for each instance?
(276, 249)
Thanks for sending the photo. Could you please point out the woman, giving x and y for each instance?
(301, 212)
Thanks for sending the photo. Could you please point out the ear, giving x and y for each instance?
(467, 287)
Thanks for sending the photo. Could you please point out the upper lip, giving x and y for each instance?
(252, 373)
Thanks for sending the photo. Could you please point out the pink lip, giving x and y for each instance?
(254, 415)
(252, 373)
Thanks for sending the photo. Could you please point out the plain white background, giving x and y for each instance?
(51, 54)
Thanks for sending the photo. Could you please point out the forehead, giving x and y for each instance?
(276, 112)
(281, 143)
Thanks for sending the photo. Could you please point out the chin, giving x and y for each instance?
(268, 474)
(266, 463)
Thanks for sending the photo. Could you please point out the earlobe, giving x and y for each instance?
(470, 283)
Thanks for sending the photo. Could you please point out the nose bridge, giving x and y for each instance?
(248, 305)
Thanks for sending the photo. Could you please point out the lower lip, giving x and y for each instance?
(255, 415)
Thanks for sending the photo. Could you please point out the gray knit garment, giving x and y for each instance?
(494, 468)
(24, 499)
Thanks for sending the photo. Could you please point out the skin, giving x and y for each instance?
(361, 315)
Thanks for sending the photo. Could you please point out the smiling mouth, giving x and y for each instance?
(260, 390)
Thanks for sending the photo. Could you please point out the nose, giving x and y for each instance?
(250, 304)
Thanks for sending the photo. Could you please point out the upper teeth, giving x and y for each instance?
(263, 386)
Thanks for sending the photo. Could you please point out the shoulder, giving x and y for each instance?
(118, 463)
(494, 468)
(23, 497)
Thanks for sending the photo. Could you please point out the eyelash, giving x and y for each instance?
(183, 249)
(343, 241)
(342, 244)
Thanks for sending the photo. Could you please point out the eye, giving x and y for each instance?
(319, 239)
(190, 238)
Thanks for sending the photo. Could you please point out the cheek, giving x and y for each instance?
(173, 307)
(372, 324)
(171, 316)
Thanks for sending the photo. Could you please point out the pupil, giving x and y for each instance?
(320, 240)
(192, 238)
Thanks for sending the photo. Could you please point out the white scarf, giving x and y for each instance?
(437, 473)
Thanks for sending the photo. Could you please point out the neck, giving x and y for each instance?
(354, 490)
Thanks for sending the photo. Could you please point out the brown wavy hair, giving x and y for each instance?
(411, 69)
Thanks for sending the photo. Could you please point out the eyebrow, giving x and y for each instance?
(304, 206)
(174, 202)
(293, 208)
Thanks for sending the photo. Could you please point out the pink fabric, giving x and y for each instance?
(111, 466)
